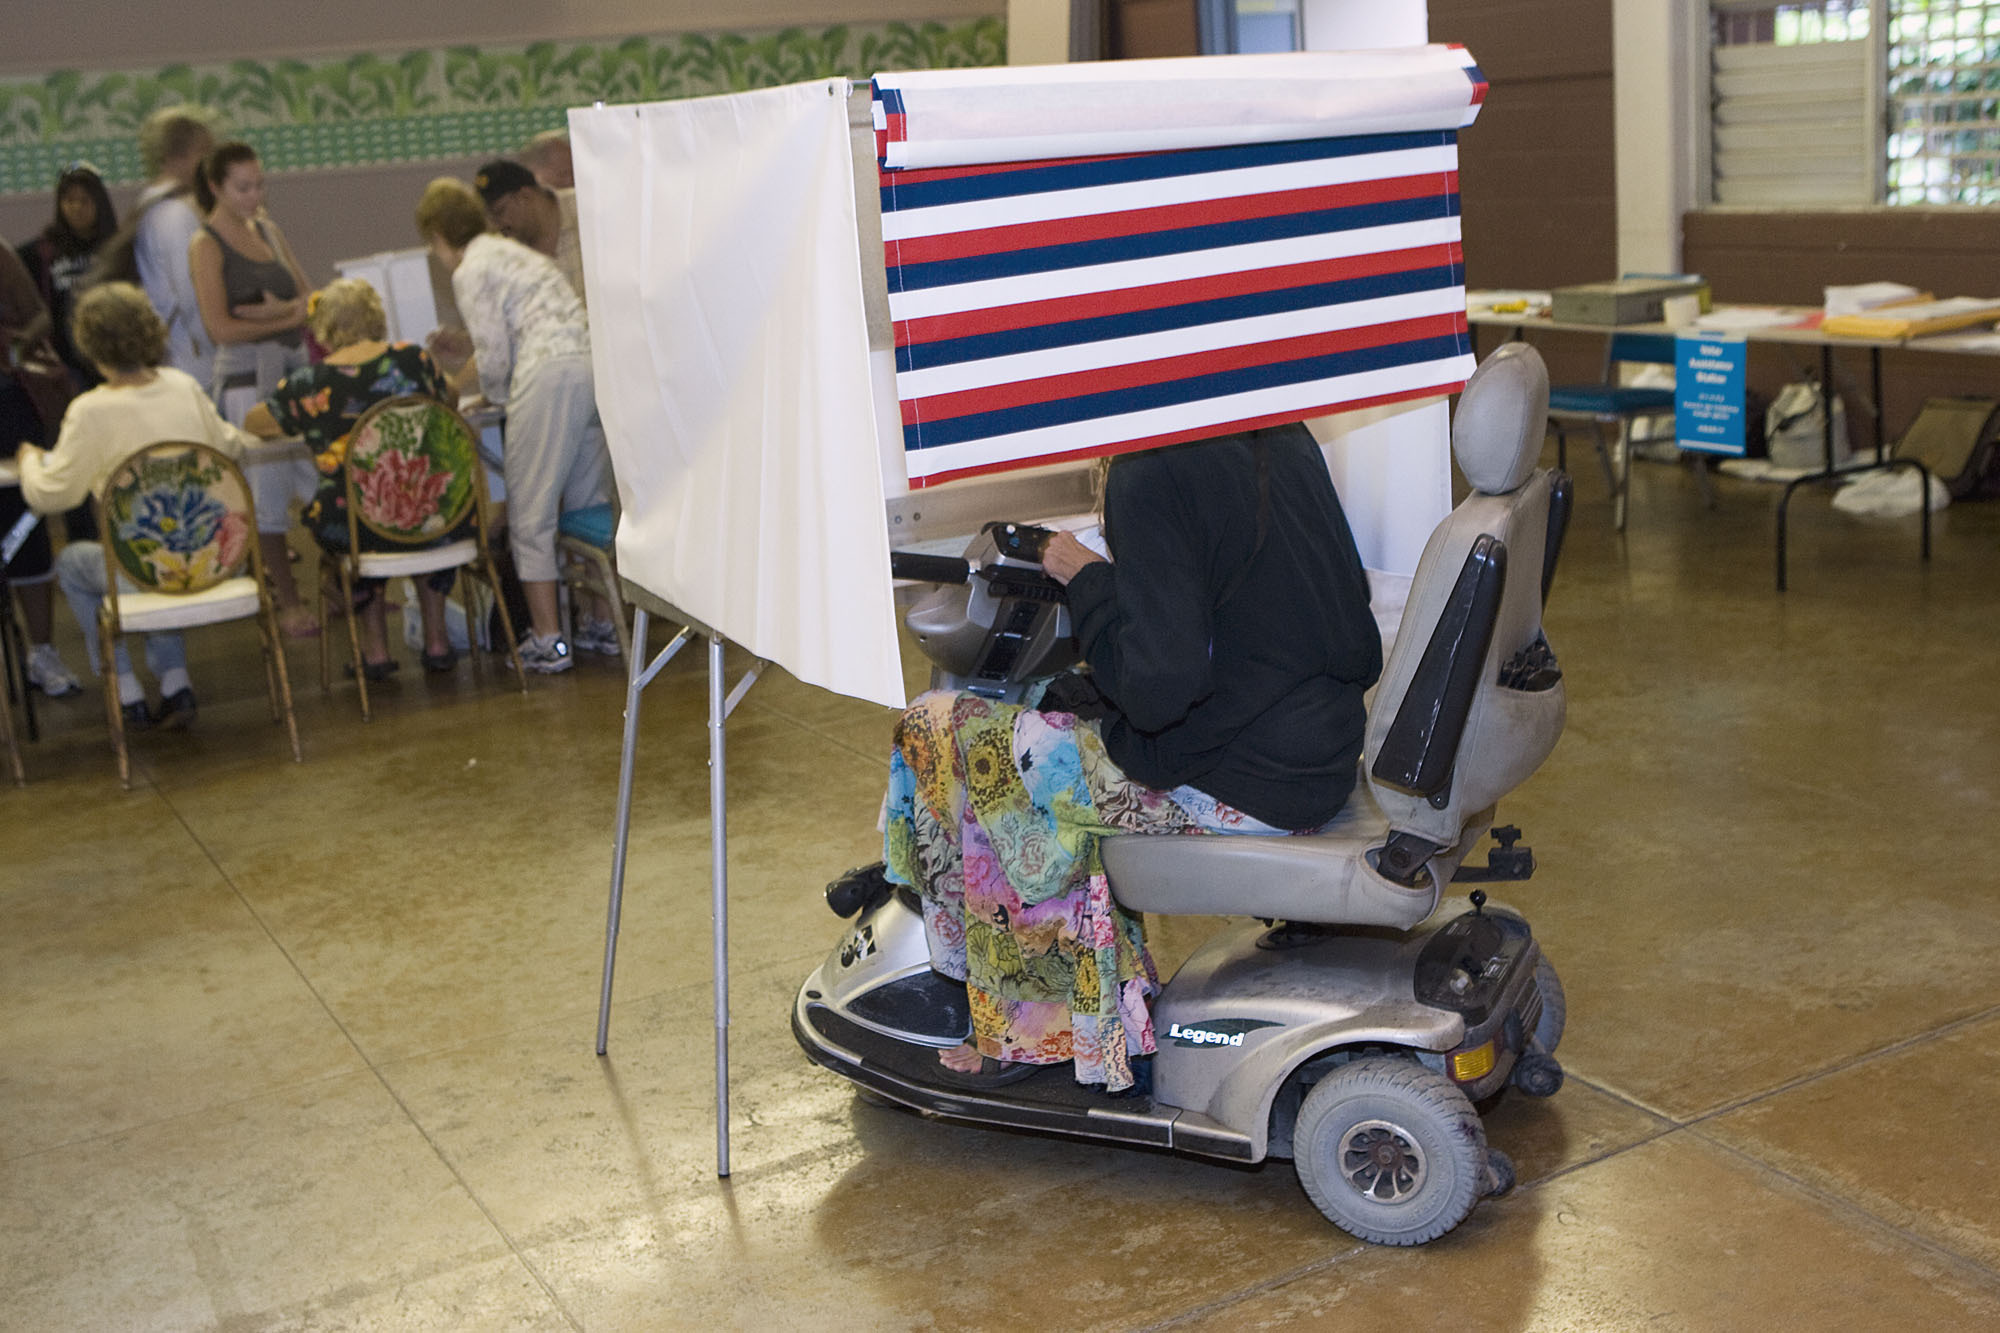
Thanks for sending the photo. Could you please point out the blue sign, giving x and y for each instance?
(1708, 392)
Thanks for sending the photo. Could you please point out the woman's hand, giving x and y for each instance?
(1065, 555)
(449, 347)
(271, 310)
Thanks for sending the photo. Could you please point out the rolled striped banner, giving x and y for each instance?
(1101, 302)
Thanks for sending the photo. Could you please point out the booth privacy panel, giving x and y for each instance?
(731, 357)
(1253, 270)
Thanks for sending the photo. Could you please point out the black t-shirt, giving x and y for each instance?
(60, 279)
(1236, 657)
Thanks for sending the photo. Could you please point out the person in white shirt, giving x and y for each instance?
(172, 143)
(141, 402)
(531, 355)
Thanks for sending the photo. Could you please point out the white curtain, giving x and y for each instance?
(731, 355)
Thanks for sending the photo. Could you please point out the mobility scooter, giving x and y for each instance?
(1351, 1016)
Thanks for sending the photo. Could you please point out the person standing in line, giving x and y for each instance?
(60, 257)
(531, 355)
(172, 143)
(537, 216)
(548, 156)
(252, 296)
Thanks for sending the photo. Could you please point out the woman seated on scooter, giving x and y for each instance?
(1230, 639)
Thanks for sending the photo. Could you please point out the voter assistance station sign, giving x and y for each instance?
(1708, 393)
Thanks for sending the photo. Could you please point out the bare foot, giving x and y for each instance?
(962, 1059)
(297, 622)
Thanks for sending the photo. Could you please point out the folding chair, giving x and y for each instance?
(1615, 405)
(177, 524)
(416, 487)
(584, 550)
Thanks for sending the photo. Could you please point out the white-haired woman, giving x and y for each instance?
(321, 404)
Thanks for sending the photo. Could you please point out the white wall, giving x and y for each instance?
(1038, 32)
(1660, 126)
(1348, 25)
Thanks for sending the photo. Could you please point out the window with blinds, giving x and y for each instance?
(1829, 102)
(1795, 104)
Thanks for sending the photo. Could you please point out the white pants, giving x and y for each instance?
(245, 375)
(555, 459)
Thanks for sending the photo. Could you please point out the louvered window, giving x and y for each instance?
(1820, 103)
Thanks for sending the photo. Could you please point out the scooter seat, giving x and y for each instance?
(1323, 878)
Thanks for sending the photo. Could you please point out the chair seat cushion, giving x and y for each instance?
(593, 523)
(153, 612)
(1322, 877)
(1606, 400)
(399, 564)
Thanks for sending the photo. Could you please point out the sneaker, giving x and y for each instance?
(600, 637)
(138, 717)
(546, 656)
(47, 673)
(176, 711)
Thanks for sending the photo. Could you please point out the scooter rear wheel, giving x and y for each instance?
(1390, 1151)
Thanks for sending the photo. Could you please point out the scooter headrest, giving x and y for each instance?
(1502, 415)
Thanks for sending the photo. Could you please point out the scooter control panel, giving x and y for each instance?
(1020, 541)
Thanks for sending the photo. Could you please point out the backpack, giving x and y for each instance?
(118, 259)
(1955, 438)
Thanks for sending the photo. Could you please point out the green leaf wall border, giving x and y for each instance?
(372, 109)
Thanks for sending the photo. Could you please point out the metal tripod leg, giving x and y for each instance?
(636, 681)
(718, 875)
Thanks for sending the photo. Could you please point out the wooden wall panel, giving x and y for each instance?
(1537, 171)
(1790, 258)
(1150, 28)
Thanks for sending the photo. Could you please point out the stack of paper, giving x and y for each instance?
(1868, 296)
(1744, 318)
(1914, 318)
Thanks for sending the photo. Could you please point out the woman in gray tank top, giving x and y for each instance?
(252, 297)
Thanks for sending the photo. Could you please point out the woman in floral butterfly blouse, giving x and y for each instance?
(321, 404)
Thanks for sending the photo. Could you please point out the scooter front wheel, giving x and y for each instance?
(1390, 1151)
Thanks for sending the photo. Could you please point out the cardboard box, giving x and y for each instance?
(1624, 301)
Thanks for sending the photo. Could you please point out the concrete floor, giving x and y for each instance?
(310, 1046)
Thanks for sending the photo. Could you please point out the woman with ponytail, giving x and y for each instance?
(253, 302)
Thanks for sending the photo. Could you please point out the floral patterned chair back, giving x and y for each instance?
(177, 518)
(412, 471)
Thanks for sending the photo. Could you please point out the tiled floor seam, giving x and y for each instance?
(1866, 1058)
(209, 1109)
(1263, 1288)
(1973, 1268)
(1272, 1284)
(430, 1142)
(878, 756)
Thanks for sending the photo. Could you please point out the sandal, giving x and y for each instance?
(374, 670)
(439, 663)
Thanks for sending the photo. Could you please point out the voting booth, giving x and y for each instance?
(830, 318)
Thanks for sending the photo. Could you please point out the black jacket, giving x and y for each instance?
(1234, 646)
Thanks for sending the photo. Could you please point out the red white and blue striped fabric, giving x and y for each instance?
(1069, 308)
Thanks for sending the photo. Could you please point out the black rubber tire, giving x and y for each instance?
(1555, 1007)
(1500, 1173)
(1429, 1119)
